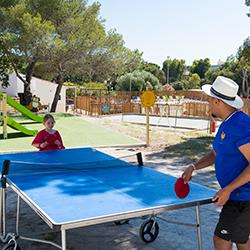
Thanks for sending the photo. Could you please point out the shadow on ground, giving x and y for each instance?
(15, 135)
(189, 148)
(175, 158)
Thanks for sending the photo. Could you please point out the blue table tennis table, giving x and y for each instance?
(79, 187)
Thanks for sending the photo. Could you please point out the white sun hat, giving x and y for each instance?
(225, 89)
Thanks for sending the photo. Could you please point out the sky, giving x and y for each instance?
(182, 29)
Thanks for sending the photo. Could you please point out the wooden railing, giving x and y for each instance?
(182, 103)
(246, 107)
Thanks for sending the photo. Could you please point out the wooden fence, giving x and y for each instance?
(180, 103)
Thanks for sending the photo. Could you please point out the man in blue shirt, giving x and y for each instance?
(231, 156)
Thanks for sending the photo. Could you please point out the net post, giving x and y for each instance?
(5, 171)
(139, 159)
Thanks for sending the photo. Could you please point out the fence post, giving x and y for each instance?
(212, 124)
(5, 135)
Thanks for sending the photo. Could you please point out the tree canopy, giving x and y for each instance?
(5, 70)
(155, 70)
(174, 69)
(248, 4)
(60, 39)
(138, 80)
(24, 39)
(200, 67)
(236, 67)
(244, 54)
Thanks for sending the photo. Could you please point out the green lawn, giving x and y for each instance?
(75, 131)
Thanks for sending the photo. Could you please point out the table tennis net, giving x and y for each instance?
(25, 167)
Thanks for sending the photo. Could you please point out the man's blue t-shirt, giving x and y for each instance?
(230, 162)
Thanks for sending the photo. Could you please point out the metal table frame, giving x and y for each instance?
(151, 212)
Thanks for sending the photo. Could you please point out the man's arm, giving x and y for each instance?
(204, 162)
(223, 195)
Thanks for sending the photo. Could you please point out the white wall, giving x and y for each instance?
(46, 91)
(12, 89)
(41, 88)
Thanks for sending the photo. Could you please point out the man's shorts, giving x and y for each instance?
(234, 222)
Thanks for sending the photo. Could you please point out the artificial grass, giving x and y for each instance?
(75, 131)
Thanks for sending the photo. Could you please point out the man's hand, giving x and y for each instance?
(203, 162)
(187, 174)
(221, 197)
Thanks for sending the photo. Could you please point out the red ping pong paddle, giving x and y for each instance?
(181, 188)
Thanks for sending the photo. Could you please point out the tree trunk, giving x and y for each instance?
(27, 96)
(245, 85)
(29, 73)
(59, 82)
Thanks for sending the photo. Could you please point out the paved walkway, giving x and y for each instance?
(185, 123)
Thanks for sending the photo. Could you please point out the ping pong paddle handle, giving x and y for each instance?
(186, 181)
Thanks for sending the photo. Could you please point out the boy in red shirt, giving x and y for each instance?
(48, 138)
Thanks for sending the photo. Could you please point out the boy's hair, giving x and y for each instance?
(47, 117)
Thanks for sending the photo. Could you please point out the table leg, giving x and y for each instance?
(198, 227)
(17, 214)
(1, 211)
(3, 198)
(63, 235)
